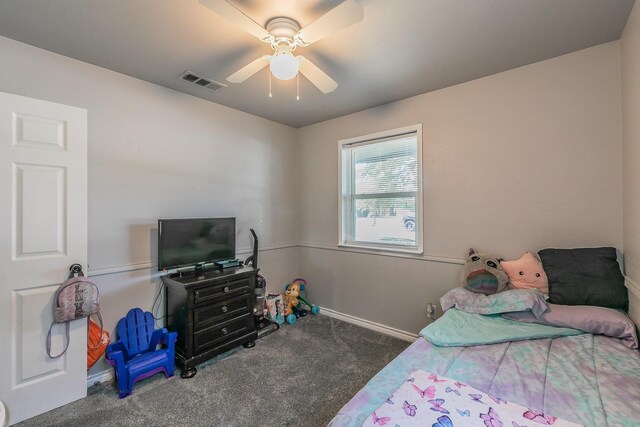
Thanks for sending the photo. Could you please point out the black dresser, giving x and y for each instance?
(212, 312)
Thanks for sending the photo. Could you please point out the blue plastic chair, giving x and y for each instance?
(135, 355)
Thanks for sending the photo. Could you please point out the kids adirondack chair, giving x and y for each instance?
(135, 355)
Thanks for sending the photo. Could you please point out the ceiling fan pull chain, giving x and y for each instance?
(298, 87)
(270, 94)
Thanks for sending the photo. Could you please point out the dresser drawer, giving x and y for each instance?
(222, 290)
(224, 331)
(216, 312)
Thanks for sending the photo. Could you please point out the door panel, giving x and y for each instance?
(39, 204)
(43, 230)
(32, 318)
(39, 132)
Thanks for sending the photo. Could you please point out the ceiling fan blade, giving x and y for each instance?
(232, 14)
(345, 14)
(316, 76)
(249, 70)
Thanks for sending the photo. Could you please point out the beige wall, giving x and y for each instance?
(630, 66)
(521, 160)
(157, 153)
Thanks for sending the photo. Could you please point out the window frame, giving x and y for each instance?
(343, 224)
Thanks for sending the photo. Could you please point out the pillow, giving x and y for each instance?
(587, 276)
(504, 302)
(526, 273)
(595, 320)
(483, 274)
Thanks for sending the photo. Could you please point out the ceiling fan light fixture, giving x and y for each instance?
(285, 35)
(284, 66)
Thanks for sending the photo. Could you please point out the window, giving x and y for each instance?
(381, 190)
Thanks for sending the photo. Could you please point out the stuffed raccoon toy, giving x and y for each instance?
(483, 274)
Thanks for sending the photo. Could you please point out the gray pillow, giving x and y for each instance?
(595, 320)
(503, 302)
(585, 276)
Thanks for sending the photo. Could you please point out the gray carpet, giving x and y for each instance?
(300, 375)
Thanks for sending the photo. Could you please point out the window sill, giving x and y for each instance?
(382, 249)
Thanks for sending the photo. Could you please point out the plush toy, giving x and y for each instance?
(483, 274)
(526, 273)
(291, 297)
(293, 301)
(275, 308)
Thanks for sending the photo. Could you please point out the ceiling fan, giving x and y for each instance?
(285, 35)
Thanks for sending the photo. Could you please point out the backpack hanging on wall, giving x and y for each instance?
(76, 298)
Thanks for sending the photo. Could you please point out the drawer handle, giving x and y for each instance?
(224, 309)
(197, 294)
(226, 289)
(224, 331)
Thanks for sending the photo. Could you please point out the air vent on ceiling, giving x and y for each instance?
(191, 77)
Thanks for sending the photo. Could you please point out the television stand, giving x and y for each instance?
(212, 312)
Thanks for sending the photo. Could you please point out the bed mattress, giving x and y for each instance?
(586, 379)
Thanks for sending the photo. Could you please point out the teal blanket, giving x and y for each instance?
(457, 328)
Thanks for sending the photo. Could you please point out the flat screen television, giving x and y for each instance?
(195, 241)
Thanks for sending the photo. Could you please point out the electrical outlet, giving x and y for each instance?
(431, 311)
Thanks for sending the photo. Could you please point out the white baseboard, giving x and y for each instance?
(100, 377)
(378, 327)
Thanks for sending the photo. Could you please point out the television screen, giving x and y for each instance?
(187, 242)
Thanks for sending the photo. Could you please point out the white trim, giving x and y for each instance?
(380, 252)
(149, 264)
(378, 327)
(633, 287)
(269, 248)
(121, 269)
(381, 135)
(100, 377)
(3, 414)
(359, 250)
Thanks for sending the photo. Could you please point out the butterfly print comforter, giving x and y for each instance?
(590, 380)
(425, 399)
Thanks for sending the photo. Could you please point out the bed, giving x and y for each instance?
(583, 378)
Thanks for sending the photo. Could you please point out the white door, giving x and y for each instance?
(43, 230)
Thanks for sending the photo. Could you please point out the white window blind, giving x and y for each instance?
(380, 197)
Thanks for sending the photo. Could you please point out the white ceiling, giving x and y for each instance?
(401, 48)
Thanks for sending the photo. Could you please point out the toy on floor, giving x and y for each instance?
(135, 356)
(275, 307)
(293, 301)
